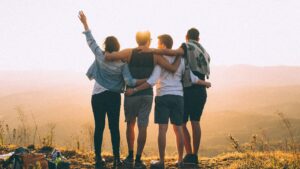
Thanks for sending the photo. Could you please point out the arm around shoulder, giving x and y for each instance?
(164, 63)
(121, 55)
(169, 52)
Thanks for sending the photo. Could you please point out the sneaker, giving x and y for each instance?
(196, 159)
(100, 163)
(117, 162)
(128, 160)
(189, 159)
(157, 165)
(139, 165)
(179, 164)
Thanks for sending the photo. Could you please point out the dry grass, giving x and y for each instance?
(247, 160)
(264, 160)
(259, 152)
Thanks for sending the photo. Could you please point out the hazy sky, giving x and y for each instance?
(46, 35)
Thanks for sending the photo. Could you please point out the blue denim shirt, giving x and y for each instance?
(111, 75)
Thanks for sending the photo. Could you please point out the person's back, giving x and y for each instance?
(141, 66)
(170, 83)
(106, 97)
(110, 75)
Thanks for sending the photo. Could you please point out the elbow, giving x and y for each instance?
(149, 84)
(173, 70)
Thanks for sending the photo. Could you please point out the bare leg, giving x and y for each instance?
(196, 136)
(179, 140)
(163, 128)
(187, 139)
(130, 135)
(142, 136)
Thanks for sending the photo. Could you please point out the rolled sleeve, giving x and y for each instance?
(194, 78)
(93, 44)
(129, 80)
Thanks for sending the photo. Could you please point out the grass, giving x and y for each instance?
(259, 152)
(235, 160)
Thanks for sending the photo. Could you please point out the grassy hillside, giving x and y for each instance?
(235, 160)
(69, 110)
(243, 102)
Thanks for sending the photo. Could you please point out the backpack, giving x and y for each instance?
(30, 160)
(24, 159)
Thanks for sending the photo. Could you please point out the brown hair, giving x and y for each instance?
(193, 34)
(166, 40)
(111, 44)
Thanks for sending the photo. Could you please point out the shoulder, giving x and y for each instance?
(126, 54)
(127, 50)
(183, 45)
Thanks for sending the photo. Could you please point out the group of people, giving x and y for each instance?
(179, 76)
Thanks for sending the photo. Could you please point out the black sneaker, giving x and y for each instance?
(157, 165)
(128, 160)
(100, 163)
(117, 162)
(189, 159)
(139, 164)
(196, 159)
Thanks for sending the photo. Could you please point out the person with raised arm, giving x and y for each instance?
(110, 78)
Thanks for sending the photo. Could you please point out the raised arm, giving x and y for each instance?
(166, 65)
(89, 37)
(122, 55)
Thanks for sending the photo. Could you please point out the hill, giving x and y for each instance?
(243, 101)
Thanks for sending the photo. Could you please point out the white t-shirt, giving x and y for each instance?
(167, 82)
(98, 88)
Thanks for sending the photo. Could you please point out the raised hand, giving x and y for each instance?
(83, 19)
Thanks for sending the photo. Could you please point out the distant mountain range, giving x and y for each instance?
(246, 75)
(221, 76)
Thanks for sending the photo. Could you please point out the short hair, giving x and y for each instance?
(142, 37)
(193, 34)
(111, 44)
(166, 40)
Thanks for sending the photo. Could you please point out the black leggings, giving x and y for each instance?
(102, 103)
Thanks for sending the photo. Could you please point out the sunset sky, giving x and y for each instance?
(46, 35)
